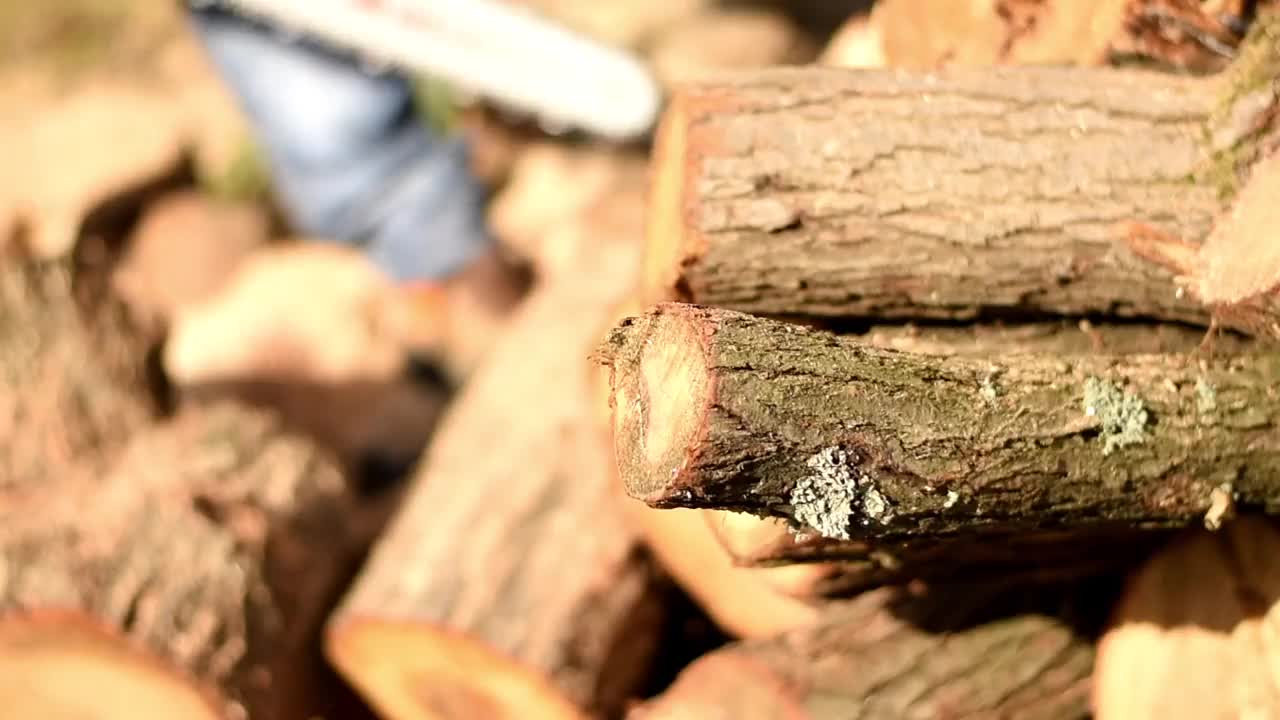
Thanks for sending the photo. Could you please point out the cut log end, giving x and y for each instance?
(665, 219)
(415, 672)
(660, 381)
(744, 602)
(61, 668)
(1193, 635)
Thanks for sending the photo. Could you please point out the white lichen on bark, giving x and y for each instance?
(1124, 417)
(827, 498)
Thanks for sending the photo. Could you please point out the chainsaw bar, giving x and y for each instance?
(490, 49)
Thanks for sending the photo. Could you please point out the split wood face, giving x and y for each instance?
(1194, 634)
(658, 413)
(64, 667)
(1238, 269)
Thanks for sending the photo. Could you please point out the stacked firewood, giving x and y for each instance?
(942, 389)
(919, 348)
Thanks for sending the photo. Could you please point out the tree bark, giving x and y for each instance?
(830, 193)
(511, 583)
(755, 541)
(842, 568)
(888, 654)
(211, 551)
(60, 403)
(717, 409)
(1058, 338)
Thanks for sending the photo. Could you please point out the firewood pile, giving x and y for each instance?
(919, 339)
(924, 366)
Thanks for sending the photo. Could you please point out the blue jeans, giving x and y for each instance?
(349, 158)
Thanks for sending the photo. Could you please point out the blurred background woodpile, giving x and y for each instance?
(922, 366)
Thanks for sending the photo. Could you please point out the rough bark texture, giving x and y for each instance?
(834, 193)
(757, 541)
(59, 401)
(948, 653)
(511, 578)
(1198, 37)
(214, 546)
(847, 567)
(1062, 337)
(927, 34)
(844, 567)
(717, 409)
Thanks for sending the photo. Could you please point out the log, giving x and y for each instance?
(561, 199)
(755, 541)
(1240, 262)
(41, 140)
(1195, 37)
(1236, 272)
(1178, 36)
(743, 538)
(966, 193)
(511, 585)
(551, 185)
(1192, 637)
(849, 567)
(199, 579)
(185, 246)
(1061, 337)
(62, 399)
(742, 602)
(264, 323)
(858, 43)
(718, 409)
(890, 654)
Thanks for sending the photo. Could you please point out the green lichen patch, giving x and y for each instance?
(1123, 415)
(832, 492)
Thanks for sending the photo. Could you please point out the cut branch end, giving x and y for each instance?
(661, 390)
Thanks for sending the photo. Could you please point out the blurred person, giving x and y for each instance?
(353, 163)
